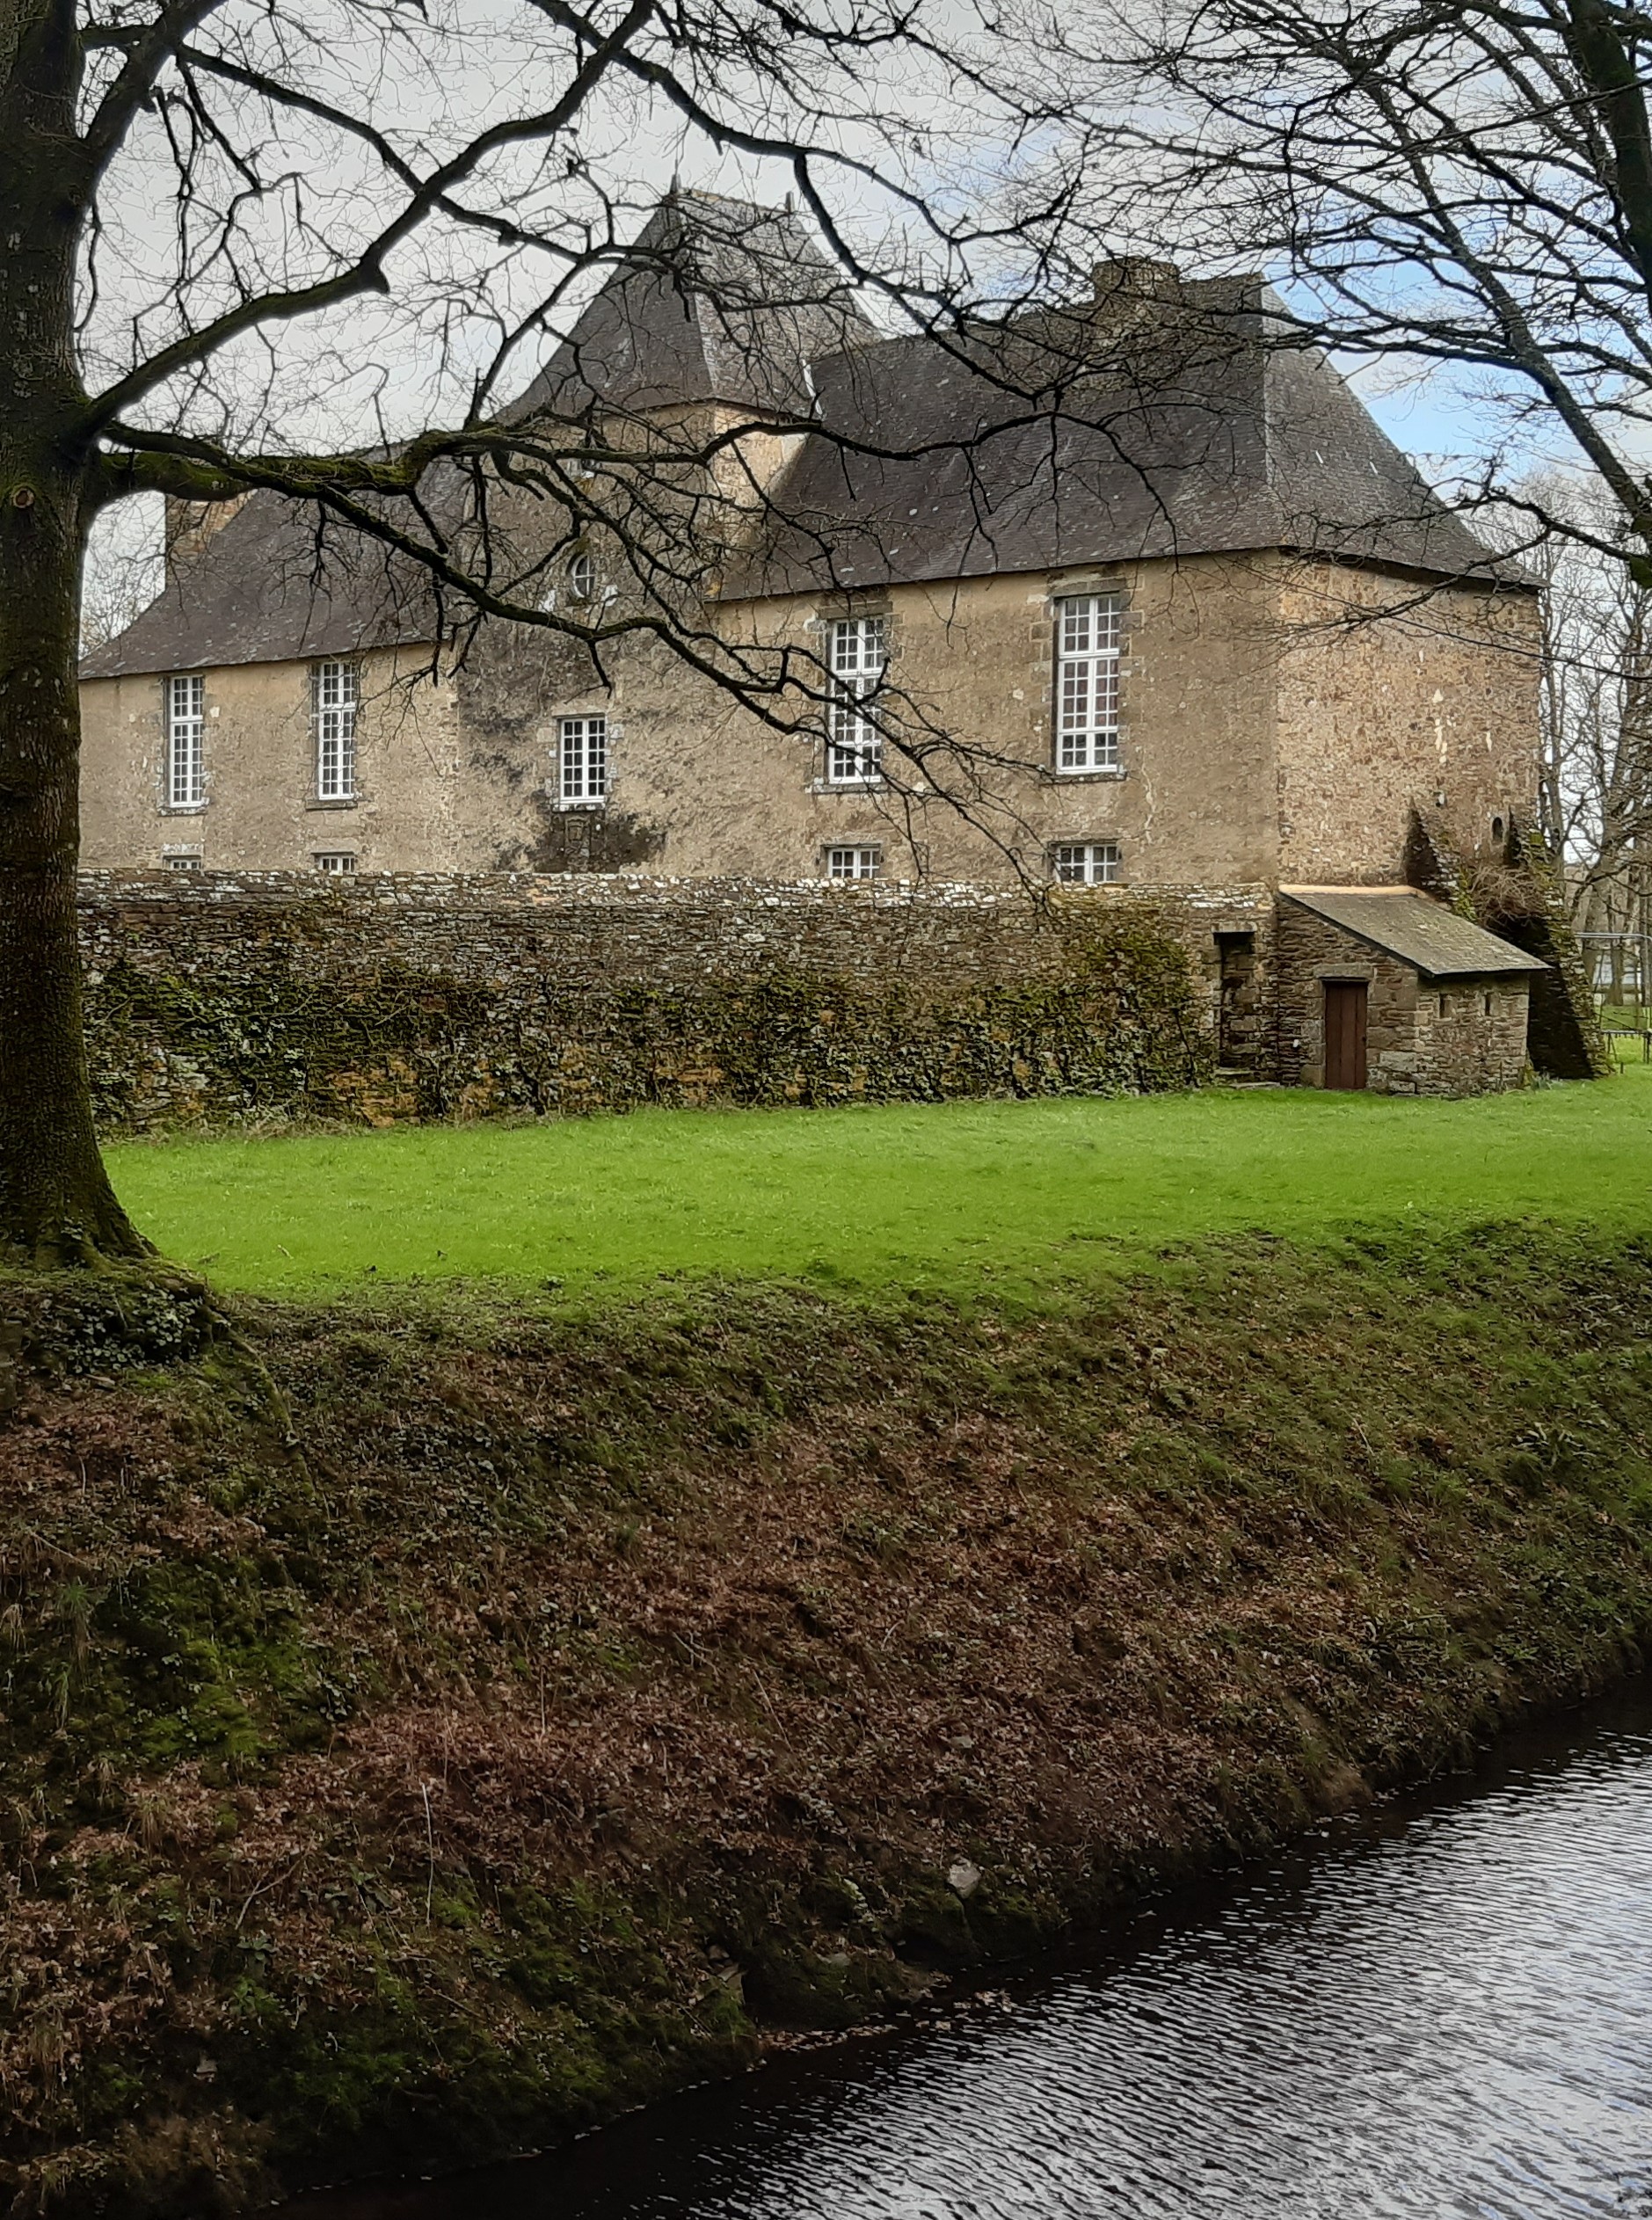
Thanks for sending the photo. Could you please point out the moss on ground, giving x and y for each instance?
(428, 1733)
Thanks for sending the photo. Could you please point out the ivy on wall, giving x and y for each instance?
(269, 1030)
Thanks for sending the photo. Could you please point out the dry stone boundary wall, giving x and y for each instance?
(222, 999)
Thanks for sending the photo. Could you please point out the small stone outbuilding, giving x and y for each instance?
(1383, 987)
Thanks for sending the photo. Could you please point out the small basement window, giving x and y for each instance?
(1087, 863)
(854, 863)
(335, 862)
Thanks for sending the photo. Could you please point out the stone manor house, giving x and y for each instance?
(1197, 625)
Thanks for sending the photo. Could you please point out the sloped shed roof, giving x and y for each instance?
(1419, 931)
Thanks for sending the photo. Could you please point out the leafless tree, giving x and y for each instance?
(312, 248)
(1458, 191)
(1596, 703)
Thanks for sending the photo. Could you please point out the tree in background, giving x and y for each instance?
(1597, 706)
(1457, 191)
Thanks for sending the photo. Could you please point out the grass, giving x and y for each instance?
(1012, 1200)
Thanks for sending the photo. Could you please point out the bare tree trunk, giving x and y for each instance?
(57, 1205)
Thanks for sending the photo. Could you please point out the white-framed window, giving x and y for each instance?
(854, 863)
(1088, 628)
(583, 749)
(857, 652)
(1086, 862)
(185, 721)
(181, 862)
(335, 862)
(337, 694)
(582, 576)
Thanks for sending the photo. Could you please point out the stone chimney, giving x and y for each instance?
(1134, 280)
(191, 525)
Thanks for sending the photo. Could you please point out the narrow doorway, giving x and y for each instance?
(1239, 1011)
(1345, 1032)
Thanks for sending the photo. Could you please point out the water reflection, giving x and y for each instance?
(1443, 2010)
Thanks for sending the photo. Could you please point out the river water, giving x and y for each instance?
(1443, 2007)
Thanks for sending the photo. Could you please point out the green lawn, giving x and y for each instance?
(1006, 1197)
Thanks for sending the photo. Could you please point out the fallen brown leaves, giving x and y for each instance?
(562, 1688)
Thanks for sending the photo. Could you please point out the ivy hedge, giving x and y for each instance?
(281, 1032)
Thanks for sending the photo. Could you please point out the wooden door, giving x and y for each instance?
(1345, 1032)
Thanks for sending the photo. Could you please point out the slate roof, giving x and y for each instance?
(1209, 437)
(275, 585)
(716, 300)
(1148, 427)
(1419, 931)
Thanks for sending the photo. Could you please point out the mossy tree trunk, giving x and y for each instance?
(57, 1205)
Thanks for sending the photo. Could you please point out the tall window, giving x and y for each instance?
(185, 714)
(1088, 628)
(582, 576)
(855, 862)
(1087, 863)
(855, 746)
(337, 697)
(584, 759)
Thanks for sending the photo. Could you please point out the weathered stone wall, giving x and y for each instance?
(417, 798)
(1455, 1037)
(1278, 721)
(218, 998)
(1392, 698)
(461, 775)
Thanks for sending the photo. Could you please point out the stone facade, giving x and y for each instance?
(1459, 1035)
(1286, 662)
(1255, 745)
(1389, 699)
(219, 998)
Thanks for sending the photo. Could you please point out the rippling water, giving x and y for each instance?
(1443, 2009)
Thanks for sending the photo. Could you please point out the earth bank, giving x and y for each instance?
(429, 1730)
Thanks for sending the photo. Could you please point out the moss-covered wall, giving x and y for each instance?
(214, 999)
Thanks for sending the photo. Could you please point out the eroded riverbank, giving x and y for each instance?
(469, 1725)
(1438, 2006)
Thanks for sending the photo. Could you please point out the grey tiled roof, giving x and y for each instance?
(275, 585)
(1419, 931)
(1209, 437)
(716, 300)
(1045, 446)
